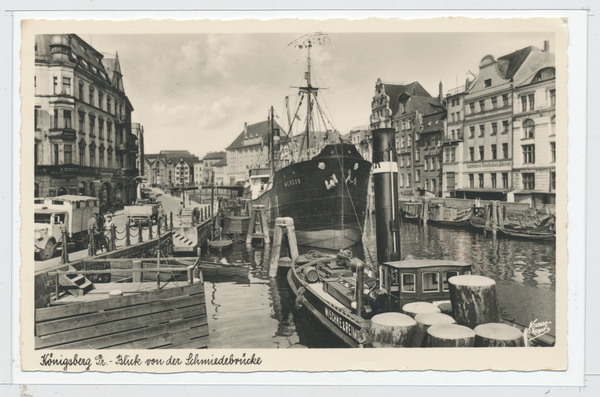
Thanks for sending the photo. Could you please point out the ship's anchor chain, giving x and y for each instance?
(299, 298)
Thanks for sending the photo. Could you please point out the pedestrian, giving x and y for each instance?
(109, 222)
(92, 224)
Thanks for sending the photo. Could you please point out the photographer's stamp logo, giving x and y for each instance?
(536, 329)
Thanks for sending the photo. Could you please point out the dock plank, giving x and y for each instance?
(117, 326)
(166, 340)
(87, 320)
(51, 313)
(116, 340)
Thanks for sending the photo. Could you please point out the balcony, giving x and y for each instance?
(66, 134)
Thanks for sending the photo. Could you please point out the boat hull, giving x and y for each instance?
(325, 196)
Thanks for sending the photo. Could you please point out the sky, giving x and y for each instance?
(195, 91)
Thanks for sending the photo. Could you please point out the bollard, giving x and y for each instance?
(140, 230)
(65, 254)
(113, 237)
(92, 245)
(128, 233)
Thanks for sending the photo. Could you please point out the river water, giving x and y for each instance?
(247, 309)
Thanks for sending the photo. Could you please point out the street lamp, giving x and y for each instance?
(182, 181)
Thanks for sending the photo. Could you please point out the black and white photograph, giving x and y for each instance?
(294, 196)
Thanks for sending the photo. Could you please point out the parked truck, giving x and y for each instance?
(52, 213)
(144, 211)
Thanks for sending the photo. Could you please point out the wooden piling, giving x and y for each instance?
(92, 244)
(414, 308)
(498, 335)
(450, 335)
(283, 226)
(258, 220)
(425, 213)
(474, 300)
(128, 232)
(392, 330)
(494, 220)
(426, 320)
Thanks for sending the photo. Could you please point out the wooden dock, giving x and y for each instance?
(139, 317)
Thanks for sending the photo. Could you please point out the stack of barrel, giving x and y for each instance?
(475, 320)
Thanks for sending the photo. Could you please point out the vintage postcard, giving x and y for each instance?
(294, 195)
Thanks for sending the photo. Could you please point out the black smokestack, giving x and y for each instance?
(385, 180)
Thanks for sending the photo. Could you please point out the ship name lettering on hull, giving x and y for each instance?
(292, 182)
(345, 326)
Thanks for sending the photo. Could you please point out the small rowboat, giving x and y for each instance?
(220, 242)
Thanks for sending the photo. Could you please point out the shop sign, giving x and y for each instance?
(490, 164)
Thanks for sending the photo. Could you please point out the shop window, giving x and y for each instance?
(431, 282)
(408, 283)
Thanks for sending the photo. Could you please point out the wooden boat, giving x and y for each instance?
(329, 291)
(220, 241)
(441, 215)
(412, 211)
(529, 233)
(134, 315)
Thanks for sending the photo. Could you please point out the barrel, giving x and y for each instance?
(498, 335)
(426, 320)
(392, 330)
(310, 272)
(414, 308)
(474, 300)
(450, 335)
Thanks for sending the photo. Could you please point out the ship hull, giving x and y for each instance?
(325, 196)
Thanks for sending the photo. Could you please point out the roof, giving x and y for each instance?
(256, 130)
(394, 91)
(214, 156)
(421, 104)
(508, 65)
(434, 122)
(220, 163)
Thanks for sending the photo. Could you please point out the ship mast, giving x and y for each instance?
(310, 91)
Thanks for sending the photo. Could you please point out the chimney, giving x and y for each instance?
(546, 45)
(440, 95)
(245, 130)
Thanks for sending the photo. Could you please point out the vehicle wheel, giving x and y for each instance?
(48, 251)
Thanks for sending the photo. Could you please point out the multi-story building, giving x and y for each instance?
(453, 140)
(429, 145)
(209, 161)
(83, 139)
(489, 154)
(413, 106)
(360, 137)
(534, 130)
(250, 149)
(198, 172)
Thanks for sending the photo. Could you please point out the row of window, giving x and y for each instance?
(493, 150)
(480, 106)
(69, 155)
(65, 89)
(481, 128)
(480, 180)
(430, 164)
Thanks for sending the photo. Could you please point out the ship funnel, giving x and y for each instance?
(385, 180)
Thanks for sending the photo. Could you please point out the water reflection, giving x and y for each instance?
(249, 309)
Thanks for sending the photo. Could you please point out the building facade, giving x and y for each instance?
(83, 139)
(209, 161)
(429, 145)
(534, 132)
(452, 166)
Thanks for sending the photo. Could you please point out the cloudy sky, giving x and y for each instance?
(196, 91)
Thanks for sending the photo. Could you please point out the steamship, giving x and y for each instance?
(324, 190)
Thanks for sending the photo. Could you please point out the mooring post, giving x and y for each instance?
(486, 226)
(140, 230)
(251, 226)
(113, 237)
(65, 253)
(425, 216)
(494, 220)
(92, 245)
(264, 226)
(128, 232)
